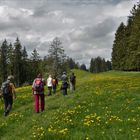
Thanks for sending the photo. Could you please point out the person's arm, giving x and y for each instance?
(13, 90)
(56, 81)
(1, 94)
(33, 87)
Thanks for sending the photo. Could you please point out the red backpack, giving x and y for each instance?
(38, 85)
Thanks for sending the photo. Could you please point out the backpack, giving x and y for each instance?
(38, 85)
(64, 85)
(6, 89)
(72, 78)
(54, 82)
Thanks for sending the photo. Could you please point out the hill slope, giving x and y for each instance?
(104, 106)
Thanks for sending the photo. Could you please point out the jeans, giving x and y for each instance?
(64, 91)
(8, 101)
(54, 89)
(49, 91)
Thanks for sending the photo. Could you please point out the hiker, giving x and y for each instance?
(72, 81)
(8, 93)
(54, 84)
(49, 84)
(64, 85)
(38, 92)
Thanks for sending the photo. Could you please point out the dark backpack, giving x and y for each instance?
(64, 85)
(38, 85)
(6, 89)
(72, 78)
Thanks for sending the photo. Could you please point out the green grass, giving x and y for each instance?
(105, 106)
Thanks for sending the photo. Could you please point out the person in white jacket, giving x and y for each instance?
(49, 84)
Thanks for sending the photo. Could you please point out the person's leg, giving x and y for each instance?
(54, 89)
(36, 103)
(5, 99)
(63, 91)
(42, 102)
(10, 102)
(66, 91)
(49, 91)
(74, 86)
(71, 88)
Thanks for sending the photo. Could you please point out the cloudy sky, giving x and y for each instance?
(85, 27)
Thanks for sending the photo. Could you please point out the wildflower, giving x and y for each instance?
(49, 129)
(103, 132)
(120, 130)
(138, 128)
(133, 130)
(87, 138)
(63, 131)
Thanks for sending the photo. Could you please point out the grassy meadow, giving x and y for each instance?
(105, 106)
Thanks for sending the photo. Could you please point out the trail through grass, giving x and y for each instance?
(105, 106)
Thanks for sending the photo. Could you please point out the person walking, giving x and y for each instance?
(38, 93)
(49, 84)
(54, 84)
(8, 93)
(72, 81)
(64, 85)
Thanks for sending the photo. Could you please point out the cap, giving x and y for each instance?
(10, 77)
(64, 72)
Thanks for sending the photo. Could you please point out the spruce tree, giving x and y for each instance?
(118, 52)
(83, 67)
(4, 60)
(125, 52)
(11, 59)
(17, 62)
(133, 52)
(35, 64)
(57, 57)
(25, 66)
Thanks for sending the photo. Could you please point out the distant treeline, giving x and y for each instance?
(99, 64)
(14, 60)
(126, 47)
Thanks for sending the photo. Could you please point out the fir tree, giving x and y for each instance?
(17, 62)
(57, 57)
(4, 60)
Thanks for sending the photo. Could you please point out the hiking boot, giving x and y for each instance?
(6, 113)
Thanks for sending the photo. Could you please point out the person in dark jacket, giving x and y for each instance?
(8, 93)
(64, 85)
(72, 81)
(54, 84)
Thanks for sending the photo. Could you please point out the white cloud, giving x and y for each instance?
(68, 21)
(122, 9)
(7, 12)
(85, 27)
